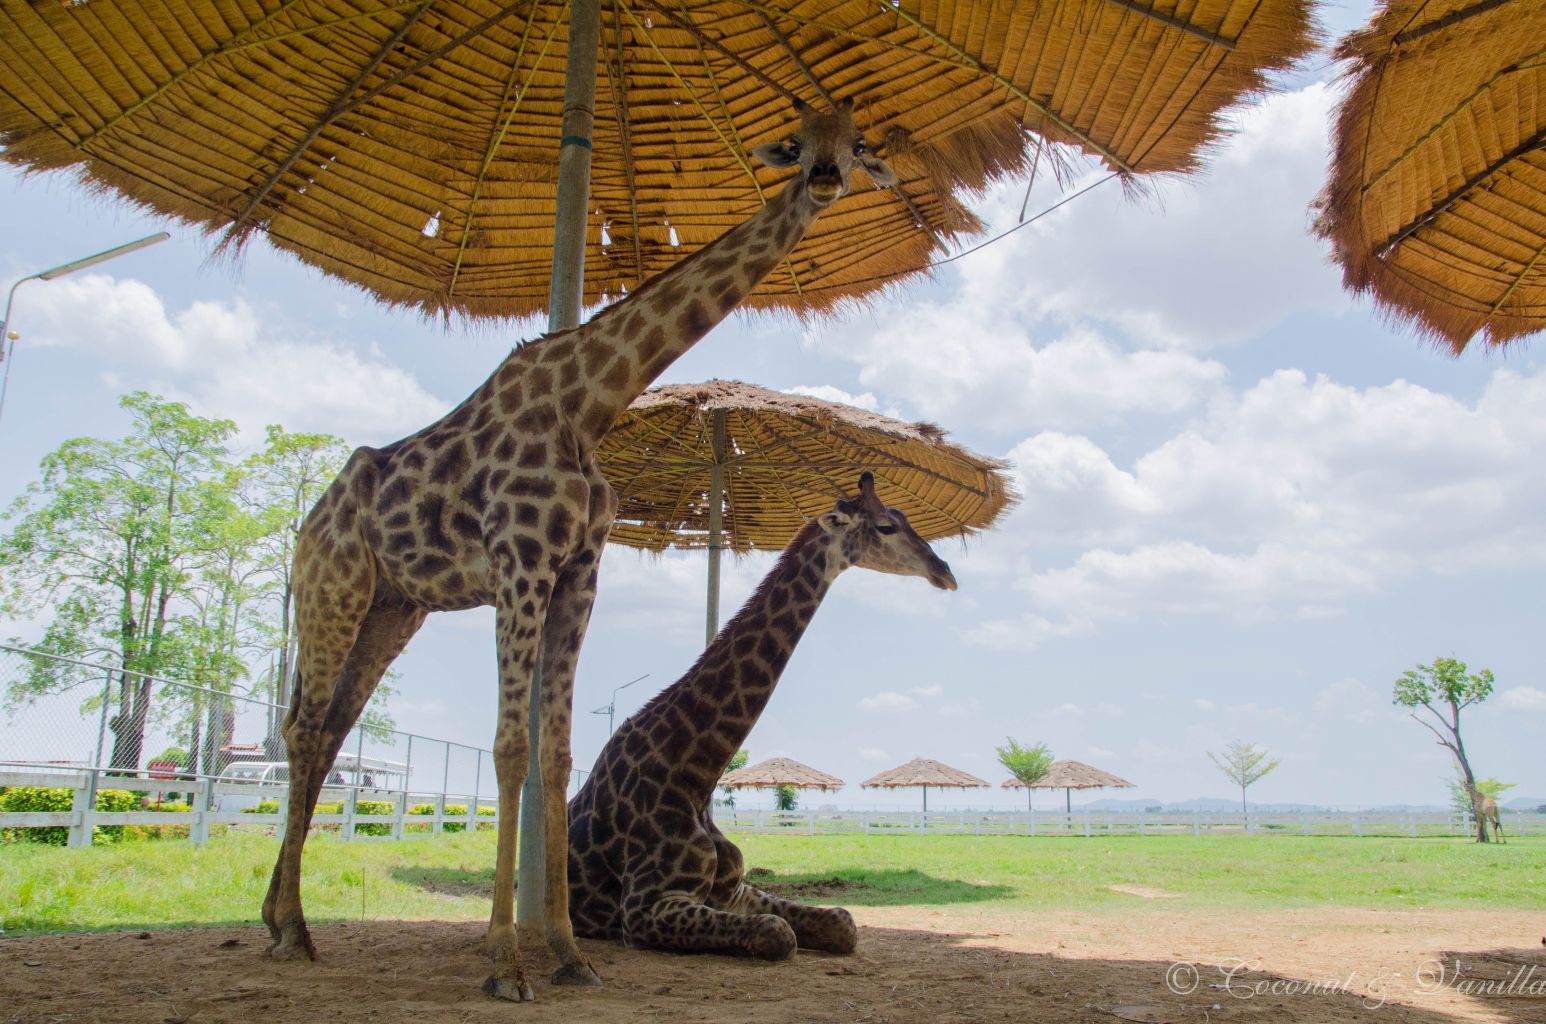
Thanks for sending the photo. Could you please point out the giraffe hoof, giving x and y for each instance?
(578, 973)
(514, 990)
(291, 951)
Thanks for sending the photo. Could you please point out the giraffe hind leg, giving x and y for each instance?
(830, 929)
(315, 732)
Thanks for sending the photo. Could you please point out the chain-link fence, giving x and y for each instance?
(96, 727)
(63, 713)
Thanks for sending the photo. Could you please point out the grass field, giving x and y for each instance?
(152, 884)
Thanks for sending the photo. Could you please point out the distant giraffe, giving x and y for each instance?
(500, 503)
(1484, 809)
(646, 863)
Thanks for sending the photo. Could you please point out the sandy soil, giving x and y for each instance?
(916, 965)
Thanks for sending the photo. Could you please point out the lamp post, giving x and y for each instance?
(8, 337)
(610, 706)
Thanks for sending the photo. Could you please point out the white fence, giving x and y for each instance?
(85, 784)
(1091, 823)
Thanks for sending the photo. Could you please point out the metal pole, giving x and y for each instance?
(8, 346)
(107, 700)
(716, 521)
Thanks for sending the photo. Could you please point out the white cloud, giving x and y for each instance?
(1352, 700)
(1523, 698)
(1202, 704)
(225, 360)
(1287, 499)
(961, 709)
(1102, 753)
(874, 755)
(927, 691)
(887, 700)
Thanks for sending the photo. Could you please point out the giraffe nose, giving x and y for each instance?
(827, 170)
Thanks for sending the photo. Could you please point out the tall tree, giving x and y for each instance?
(738, 760)
(1028, 764)
(101, 545)
(1444, 689)
(1244, 765)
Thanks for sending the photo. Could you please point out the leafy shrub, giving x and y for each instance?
(455, 819)
(39, 799)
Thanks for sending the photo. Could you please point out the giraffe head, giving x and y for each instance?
(827, 147)
(875, 537)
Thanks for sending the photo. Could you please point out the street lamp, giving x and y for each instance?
(611, 705)
(8, 337)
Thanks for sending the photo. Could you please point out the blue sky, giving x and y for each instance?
(1249, 502)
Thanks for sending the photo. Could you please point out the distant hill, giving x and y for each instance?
(1524, 803)
(1217, 805)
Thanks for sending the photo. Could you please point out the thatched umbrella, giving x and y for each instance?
(415, 148)
(1436, 201)
(778, 772)
(1071, 775)
(922, 771)
(727, 464)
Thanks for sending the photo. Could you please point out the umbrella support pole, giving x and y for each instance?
(716, 523)
(565, 297)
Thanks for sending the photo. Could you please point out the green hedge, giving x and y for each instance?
(458, 811)
(38, 799)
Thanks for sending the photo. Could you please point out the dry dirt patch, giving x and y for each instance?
(915, 966)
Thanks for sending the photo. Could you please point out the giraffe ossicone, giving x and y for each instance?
(500, 503)
(647, 865)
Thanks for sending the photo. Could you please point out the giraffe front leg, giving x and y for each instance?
(677, 921)
(829, 929)
(574, 593)
(522, 602)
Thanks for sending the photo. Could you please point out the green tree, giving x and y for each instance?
(786, 798)
(1244, 765)
(1460, 798)
(737, 762)
(1027, 764)
(102, 544)
(1444, 689)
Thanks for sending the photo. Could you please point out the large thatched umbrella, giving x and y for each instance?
(727, 464)
(415, 148)
(778, 772)
(1071, 775)
(924, 772)
(1436, 201)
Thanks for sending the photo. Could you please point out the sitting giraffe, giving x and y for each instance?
(646, 863)
(500, 503)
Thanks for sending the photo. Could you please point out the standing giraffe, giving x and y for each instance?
(500, 503)
(1484, 809)
(647, 865)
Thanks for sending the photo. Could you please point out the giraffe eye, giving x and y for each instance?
(860, 148)
(886, 528)
(793, 145)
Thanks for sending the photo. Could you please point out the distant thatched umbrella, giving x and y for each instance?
(921, 771)
(1436, 201)
(777, 772)
(1071, 775)
(727, 464)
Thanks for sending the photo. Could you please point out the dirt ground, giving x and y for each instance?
(915, 965)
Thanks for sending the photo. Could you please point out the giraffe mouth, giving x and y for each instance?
(824, 190)
(942, 577)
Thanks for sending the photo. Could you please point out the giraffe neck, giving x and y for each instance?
(628, 345)
(722, 696)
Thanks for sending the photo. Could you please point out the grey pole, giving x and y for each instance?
(564, 301)
(716, 522)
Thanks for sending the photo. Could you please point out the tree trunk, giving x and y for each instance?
(1244, 811)
(1469, 776)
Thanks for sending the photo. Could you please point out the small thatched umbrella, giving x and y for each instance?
(1071, 775)
(1436, 201)
(727, 464)
(922, 771)
(778, 772)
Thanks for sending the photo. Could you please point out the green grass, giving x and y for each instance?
(135, 885)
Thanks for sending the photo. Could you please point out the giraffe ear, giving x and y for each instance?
(836, 521)
(776, 154)
(879, 171)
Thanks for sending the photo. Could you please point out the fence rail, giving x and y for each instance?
(1081, 823)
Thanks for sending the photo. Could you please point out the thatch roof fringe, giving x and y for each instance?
(1072, 775)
